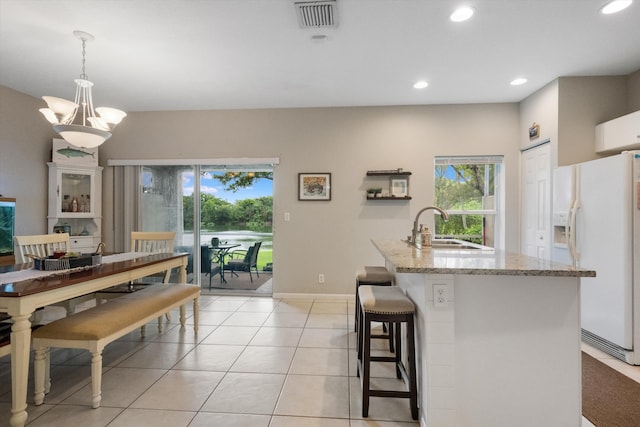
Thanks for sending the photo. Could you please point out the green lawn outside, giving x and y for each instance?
(264, 256)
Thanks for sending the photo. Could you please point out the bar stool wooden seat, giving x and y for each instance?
(386, 304)
(373, 276)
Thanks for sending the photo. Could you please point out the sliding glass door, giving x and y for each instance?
(232, 205)
(236, 213)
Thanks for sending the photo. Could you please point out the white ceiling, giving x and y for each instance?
(225, 54)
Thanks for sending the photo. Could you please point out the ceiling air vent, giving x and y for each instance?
(315, 14)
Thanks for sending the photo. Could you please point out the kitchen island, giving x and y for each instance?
(498, 335)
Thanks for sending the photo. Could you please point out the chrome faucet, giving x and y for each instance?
(414, 231)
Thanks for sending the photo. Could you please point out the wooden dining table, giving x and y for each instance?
(21, 298)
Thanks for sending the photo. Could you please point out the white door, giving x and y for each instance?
(536, 202)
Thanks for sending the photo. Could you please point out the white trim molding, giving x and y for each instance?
(227, 161)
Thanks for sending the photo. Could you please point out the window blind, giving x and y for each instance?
(468, 160)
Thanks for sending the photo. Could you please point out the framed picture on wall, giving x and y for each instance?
(314, 186)
(399, 187)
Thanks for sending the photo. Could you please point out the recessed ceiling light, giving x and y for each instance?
(461, 14)
(421, 84)
(615, 6)
(519, 81)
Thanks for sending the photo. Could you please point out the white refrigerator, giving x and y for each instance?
(596, 225)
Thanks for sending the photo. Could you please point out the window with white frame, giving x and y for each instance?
(470, 190)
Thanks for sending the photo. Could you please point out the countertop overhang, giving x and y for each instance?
(406, 258)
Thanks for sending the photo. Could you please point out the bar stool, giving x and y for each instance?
(386, 304)
(374, 276)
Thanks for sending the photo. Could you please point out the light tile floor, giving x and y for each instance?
(255, 361)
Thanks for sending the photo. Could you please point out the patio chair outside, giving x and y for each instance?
(249, 260)
(207, 264)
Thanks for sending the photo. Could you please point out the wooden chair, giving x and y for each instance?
(155, 242)
(44, 245)
(249, 261)
(5, 334)
(5, 348)
(40, 245)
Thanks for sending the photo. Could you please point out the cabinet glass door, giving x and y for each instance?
(75, 193)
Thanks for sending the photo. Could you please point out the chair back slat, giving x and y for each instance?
(253, 260)
(153, 241)
(249, 254)
(41, 245)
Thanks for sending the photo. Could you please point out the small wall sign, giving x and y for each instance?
(63, 152)
(534, 131)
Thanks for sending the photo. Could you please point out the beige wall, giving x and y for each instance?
(329, 237)
(541, 108)
(25, 149)
(633, 87)
(333, 237)
(569, 108)
(583, 102)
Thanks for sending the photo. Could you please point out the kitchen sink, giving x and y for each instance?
(454, 244)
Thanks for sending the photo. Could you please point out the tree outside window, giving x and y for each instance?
(466, 189)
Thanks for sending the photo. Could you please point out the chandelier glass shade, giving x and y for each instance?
(77, 121)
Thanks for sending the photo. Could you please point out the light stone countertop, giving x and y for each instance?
(408, 259)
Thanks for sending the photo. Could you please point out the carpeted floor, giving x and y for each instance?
(609, 398)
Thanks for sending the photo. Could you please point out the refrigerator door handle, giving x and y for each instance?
(572, 237)
(568, 232)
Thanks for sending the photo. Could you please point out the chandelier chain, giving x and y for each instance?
(84, 54)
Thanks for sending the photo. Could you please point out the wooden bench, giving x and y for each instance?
(94, 328)
(5, 348)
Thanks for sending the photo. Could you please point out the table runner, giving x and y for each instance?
(17, 276)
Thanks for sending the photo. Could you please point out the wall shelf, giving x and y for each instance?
(397, 187)
(388, 173)
(389, 198)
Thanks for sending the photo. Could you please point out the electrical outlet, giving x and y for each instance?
(287, 216)
(320, 278)
(440, 295)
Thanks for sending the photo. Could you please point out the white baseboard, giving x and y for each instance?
(349, 297)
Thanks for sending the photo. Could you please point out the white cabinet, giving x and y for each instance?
(619, 134)
(75, 204)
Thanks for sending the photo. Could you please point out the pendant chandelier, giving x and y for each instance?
(76, 121)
